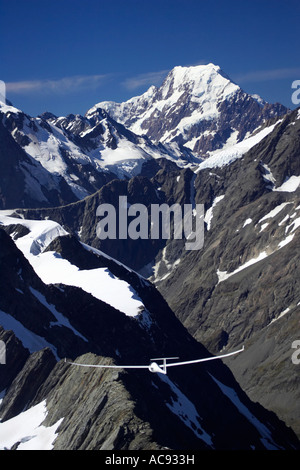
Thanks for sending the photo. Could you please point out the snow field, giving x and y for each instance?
(291, 228)
(27, 429)
(53, 269)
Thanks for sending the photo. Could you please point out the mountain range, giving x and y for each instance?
(197, 139)
(198, 108)
(58, 160)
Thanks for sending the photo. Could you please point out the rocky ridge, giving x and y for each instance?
(59, 160)
(242, 286)
(112, 409)
(197, 107)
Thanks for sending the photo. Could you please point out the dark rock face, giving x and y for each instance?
(222, 300)
(100, 413)
(15, 355)
(241, 308)
(115, 408)
(81, 217)
(241, 288)
(162, 182)
(26, 384)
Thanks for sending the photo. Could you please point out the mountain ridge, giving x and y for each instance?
(228, 291)
(198, 107)
(66, 294)
(64, 159)
(76, 401)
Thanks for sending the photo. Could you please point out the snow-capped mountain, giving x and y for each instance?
(198, 108)
(112, 146)
(46, 403)
(61, 160)
(198, 139)
(58, 160)
(244, 283)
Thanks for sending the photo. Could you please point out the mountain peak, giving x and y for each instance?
(196, 69)
(197, 107)
(207, 81)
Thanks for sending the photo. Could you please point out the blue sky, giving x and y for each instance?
(64, 56)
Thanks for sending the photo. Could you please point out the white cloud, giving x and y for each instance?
(267, 75)
(145, 79)
(62, 85)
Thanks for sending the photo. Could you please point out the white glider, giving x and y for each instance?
(154, 367)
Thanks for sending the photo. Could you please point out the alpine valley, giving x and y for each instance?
(66, 296)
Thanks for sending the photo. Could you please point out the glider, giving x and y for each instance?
(157, 368)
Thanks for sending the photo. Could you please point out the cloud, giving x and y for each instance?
(268, 75)
(60, 86)
(152, 78)
(145, 79)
